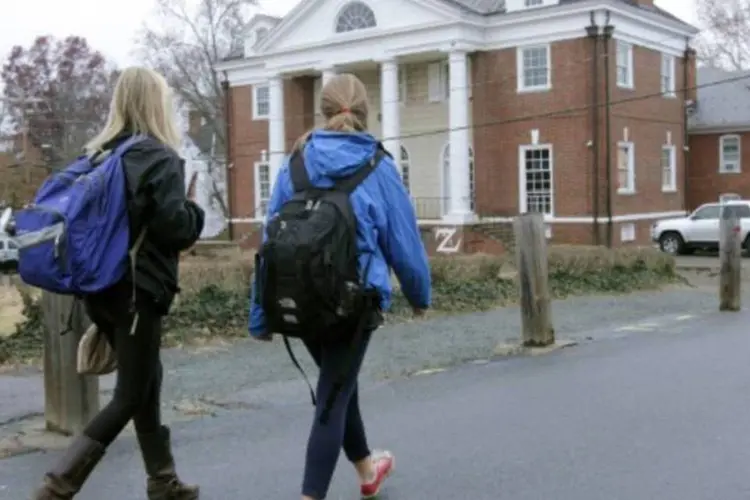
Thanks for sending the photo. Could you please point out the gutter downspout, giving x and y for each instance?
(592, 31)
(685, 116)
(228, 154)
(608, 29)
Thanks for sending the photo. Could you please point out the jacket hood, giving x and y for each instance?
(338, 154)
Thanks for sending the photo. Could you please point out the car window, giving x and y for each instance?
(2, 245)
(12, 246)
(741, 211)
(707, 212)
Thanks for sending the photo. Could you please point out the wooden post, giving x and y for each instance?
(70, 399)
(730, 259)
(531, 255)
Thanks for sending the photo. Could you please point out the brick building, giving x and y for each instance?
(573, 108)
(719, 125)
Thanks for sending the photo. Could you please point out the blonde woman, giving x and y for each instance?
(141, 105)
(388, 237)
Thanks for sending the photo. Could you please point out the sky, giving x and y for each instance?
(114, 33)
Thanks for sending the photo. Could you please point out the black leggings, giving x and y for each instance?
(344, 427)
(139, 369)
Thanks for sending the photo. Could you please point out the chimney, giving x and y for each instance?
(195, 122)
(691, 93)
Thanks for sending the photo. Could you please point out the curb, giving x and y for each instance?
(507, 350)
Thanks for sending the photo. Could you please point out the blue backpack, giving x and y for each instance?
(75, 238)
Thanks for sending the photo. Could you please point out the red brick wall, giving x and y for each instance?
(705, 183)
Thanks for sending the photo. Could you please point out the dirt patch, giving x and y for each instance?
(11, 310)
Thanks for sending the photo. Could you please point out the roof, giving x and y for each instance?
(492, 7)
(723, 99)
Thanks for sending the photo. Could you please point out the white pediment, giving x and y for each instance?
(315, 23)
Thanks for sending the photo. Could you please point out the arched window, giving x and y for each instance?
(355, 16)
(447, 177)
(405, 169)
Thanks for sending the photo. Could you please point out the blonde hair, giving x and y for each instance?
(343, 103)
(141, 104)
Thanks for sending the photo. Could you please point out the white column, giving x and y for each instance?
(327, 74)
(276, 139)
(390, 109)
(459, 188)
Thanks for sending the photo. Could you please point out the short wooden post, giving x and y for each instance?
(70, 399)
(531, 256)
(730, 259)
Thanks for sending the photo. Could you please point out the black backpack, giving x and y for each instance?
(307, 271)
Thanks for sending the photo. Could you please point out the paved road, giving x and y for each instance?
(664, 416)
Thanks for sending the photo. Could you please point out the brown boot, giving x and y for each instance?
(68, 476)
(163, 483)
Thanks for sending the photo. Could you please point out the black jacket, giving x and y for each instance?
(155, 176)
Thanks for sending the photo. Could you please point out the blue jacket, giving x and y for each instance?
(387, 224)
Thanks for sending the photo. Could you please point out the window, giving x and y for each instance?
(667, 75)
(624, 65)
(729, 152)
(405, 169)
(741, 211)
(533, 3)
(707, 212)
(262, 188)
(355, 16)
(12, 245)
(438, 81)
(625, 168)
(536, 179)
(533, 68)
(627, 232)
(402, 79)
(261, 102)
(2, 245)
(260, 35)
(668, 168)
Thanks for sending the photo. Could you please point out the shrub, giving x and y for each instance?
(214, 298)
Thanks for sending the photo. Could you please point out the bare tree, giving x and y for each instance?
(725, 42)
(184, 41)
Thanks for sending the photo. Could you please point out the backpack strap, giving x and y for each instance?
(350, 183)
(298, 173)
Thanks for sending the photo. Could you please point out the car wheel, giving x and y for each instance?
(671, 243)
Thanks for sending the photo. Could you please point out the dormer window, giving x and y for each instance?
(355, 16)
(260, 35)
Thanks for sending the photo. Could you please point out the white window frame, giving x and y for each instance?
(522, 192)
(405, 163)
(260, 212)
(402, 84)
(630, 189)
(256, 114)
(723, 162)
(671, 186)
(520, 69)
(668, 75)
(626, 49)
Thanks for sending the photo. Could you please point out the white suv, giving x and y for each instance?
(699, 230)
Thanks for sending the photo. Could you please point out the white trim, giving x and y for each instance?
(521, 69)
(630, 75)
(522, 202)
(722, 160)
(672, 186)
(570, 220)
(669, 61)
(630, 189)
(737, 128)
(256, 88)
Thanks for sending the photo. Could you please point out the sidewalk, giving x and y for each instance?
(608, 420)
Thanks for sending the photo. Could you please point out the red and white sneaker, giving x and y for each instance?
(384, 464)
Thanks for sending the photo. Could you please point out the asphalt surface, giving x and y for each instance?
(662, 416)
